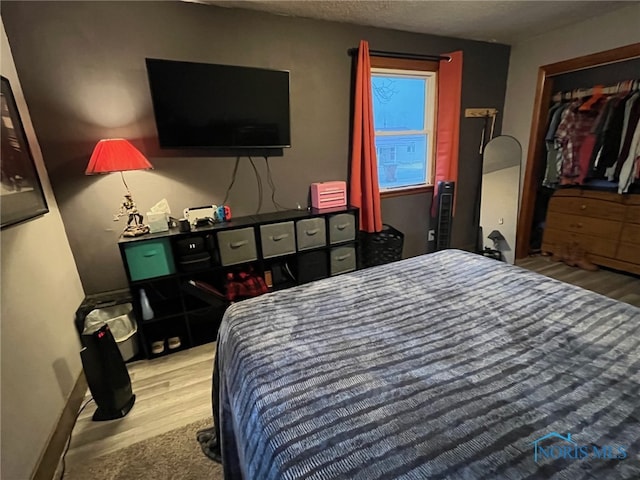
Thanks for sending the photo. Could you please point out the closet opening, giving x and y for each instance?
(582, 166)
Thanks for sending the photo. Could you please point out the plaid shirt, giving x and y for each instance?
(244, 285)
(570, 135)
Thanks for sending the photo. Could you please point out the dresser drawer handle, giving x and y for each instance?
(342, 226)
(577, 225)
(238, 244)
(312, 232)
(277, 238)
(150, 253)
(343, 257)
(583, 207)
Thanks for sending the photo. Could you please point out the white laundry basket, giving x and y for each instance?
(121, 323)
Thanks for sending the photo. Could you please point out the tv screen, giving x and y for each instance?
(219, 106)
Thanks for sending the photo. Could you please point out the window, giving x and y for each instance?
(404, 98)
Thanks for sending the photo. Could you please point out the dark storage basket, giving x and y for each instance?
(381, 247)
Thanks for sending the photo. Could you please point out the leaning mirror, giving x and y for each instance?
(499, 200)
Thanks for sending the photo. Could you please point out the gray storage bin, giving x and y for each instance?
(277, 239)
(237, 246)
(311, 233)
(342, 228)
(343, 259)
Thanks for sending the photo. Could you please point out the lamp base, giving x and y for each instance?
(135, 230)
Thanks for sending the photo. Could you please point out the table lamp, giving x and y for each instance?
(118, 155)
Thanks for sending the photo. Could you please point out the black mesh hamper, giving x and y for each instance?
(381, 247)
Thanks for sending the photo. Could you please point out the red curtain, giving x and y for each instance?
(364, 191)
(448, 122)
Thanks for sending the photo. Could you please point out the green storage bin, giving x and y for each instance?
(149, 259)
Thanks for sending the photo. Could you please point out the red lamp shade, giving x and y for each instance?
(116, 155)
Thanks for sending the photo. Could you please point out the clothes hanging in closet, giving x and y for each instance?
(595, 138)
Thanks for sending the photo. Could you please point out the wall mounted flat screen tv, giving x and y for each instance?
(219, 106)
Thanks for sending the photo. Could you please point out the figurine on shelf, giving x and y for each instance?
(135, 227)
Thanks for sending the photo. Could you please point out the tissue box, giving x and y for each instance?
(157, 222)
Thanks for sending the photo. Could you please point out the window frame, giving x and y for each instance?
(397, 66)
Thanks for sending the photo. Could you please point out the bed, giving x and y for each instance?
(447, 365)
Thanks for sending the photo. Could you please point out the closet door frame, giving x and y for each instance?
(535, 154)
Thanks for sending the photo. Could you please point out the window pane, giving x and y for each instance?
(401, 160)
(398, 103)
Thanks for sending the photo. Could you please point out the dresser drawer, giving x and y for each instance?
(633, 214)
(629, 253)
(587, 207)
(342, 228)
(343, 259)
(631, 234)
(277, 239)
(149, 259)
(237, 246)
(597, 227)
(311, 233)
(556, 240)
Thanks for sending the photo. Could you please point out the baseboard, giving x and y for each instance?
(46, 468)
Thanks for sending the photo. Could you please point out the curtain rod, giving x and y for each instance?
(406, 56)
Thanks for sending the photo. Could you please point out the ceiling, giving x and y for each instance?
(487, 20)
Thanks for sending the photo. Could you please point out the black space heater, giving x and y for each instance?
(444, 214)
(106, 375)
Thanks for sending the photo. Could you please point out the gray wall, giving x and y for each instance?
(41, 291)
(82, 69)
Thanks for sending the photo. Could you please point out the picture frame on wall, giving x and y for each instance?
(21, 195)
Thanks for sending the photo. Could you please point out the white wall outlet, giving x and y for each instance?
(431, 236)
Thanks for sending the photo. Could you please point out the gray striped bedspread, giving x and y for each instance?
(448, 365)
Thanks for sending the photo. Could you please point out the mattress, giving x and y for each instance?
(448, 365)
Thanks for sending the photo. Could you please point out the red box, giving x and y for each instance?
(329, 194)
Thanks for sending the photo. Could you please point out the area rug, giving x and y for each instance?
(172, 455)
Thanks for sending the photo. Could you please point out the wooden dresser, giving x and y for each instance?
(605, 224)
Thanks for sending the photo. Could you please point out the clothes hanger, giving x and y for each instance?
(598, 93)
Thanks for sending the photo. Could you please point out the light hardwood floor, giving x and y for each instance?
(175, 390)
(616, 285)
(171, 391)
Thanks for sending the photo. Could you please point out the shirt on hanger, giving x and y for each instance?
(627, 136)
(552, 170)
(571, 133)
(627, 171)
(611, 139)
(628, 105)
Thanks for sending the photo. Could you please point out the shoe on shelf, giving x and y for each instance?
(174, 342)
(157, 347)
